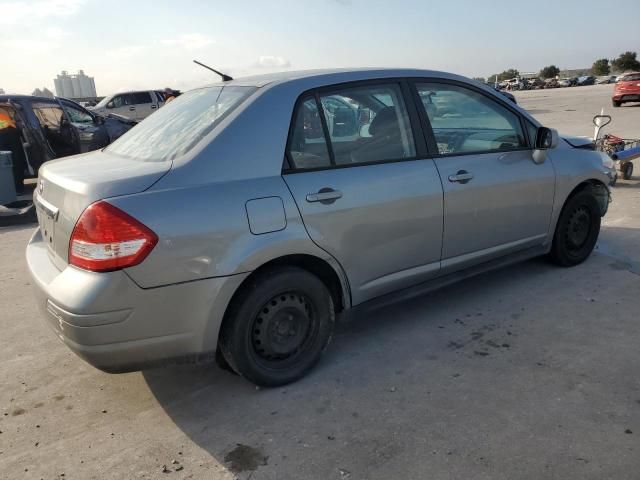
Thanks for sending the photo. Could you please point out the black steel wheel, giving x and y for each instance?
(278, 326)
(627, 170)
(577, 229)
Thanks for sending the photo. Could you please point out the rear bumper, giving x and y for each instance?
(116, 326)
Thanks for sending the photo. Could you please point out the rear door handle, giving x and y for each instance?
(461, 177)
(152, 107)
(132, 108)
(324, 195)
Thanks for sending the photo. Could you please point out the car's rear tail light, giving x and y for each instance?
(105, 238)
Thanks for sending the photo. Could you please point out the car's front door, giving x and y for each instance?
(91, 135)
(497, 200)
(366, 191)
(124, 105)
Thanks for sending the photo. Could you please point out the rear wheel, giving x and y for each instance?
(627, 170)
(615, 103)
(577, 229)
(278, 326)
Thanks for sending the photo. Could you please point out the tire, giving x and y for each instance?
(577, 230)
(627, 170)
(615, 104)
(278, 326)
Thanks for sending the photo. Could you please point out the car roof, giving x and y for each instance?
(9, 96)
(335, 75)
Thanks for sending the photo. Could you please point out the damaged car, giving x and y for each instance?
(51, 128)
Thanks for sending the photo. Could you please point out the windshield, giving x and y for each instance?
(103, 102)
(178, 126)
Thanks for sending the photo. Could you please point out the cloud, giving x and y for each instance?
(271, 61)
(55, 33)
(125, 52)
(190, 41)
(15, 12)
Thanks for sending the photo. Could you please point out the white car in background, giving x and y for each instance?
(136, 105)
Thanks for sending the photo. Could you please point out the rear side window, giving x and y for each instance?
(49, 115)
(307, 145)
(631, 78)
(140, 98)
(178, 126)
(465, 121)
(365, 124)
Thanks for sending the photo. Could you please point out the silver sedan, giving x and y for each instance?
(240, 219)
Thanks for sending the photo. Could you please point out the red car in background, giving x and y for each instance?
(627, 89)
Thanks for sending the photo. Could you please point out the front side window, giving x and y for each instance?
(178, 126)
(76, 115)
(465, 121)
(368, 124)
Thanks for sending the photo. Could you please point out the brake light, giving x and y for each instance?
(105, 239)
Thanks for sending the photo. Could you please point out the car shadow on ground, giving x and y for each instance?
(633, 182)
(247, 428)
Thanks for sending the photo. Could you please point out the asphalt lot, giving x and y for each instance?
(527, 372)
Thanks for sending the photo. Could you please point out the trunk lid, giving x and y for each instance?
(67, 186)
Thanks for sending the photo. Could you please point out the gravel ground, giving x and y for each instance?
(527, 372)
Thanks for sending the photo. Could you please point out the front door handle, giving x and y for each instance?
(324, 195)
(461, 177)
(131, 109)
(153, 107)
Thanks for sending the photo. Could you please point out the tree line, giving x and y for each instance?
(603, 66)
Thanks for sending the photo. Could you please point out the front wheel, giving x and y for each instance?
(577, 229)
(278, 326)
(615, 104)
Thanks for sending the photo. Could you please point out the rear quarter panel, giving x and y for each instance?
(204, 231)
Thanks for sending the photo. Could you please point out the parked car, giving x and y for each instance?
(605, 79)
(551, 83)
(567, 82)
(626, 89)
(504, 93)
(585, 80)
(57, 127)
(136, 105)
(184, 238)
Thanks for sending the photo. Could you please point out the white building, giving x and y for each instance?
(75, 86)
(1, 91)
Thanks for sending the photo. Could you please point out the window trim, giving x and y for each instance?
(415, 125)
(428, 130)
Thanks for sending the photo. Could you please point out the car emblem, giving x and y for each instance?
(41, 187)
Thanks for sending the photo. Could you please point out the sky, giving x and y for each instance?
(140, 44)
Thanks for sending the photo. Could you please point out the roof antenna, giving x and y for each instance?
(225, 78)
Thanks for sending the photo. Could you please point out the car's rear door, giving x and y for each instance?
(144, 104)
(368, 194)
(497, 200)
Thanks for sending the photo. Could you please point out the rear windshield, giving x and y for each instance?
(178, 126)
(631, 78)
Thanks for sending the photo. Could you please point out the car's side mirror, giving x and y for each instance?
(98, 120)
(546, 138)
(110, 105)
